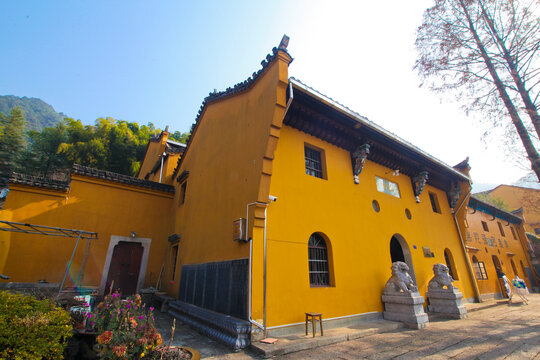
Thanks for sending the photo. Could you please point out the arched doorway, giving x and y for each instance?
(496, 262)
(399, 251)
(514, 268)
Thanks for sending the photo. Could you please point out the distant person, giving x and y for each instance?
(520, 288)
(506, 282)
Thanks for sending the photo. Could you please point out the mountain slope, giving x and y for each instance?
(38, 113)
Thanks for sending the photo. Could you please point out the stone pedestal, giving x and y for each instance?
(406, 308)
(446, 303)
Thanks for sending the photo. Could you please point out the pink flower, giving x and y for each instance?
(151, 308)
(141, 317)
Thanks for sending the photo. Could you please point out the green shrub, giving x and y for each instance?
(32, 329)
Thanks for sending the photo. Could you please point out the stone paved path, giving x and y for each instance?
(501, 332)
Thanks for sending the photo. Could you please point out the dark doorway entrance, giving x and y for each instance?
(396, 251)
(399, 251)
(496, 262)
(125, 267)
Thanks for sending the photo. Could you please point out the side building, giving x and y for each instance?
(321, 201)
(128, 216)
(496, 239)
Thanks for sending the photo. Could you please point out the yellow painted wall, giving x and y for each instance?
(358, 236)
(226, 162)
(153, 152)
(169, 164)
(517, 197)
(91, 204)
(475, 239)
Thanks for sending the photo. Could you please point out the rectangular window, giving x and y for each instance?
(501, 228)
(434, 203)
(174, 257)
(469, 238)
(480, 270)
(485, 226)
(314, 162)
(513, 232)
(387, 187)
(182, 198)
(476, 237)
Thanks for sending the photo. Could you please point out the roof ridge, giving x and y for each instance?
(120, 178)
(237, 88)
(40, 181)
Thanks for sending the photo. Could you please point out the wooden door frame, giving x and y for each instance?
(115, 240)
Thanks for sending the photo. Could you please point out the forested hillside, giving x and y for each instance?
(109, 144)
(37, 112)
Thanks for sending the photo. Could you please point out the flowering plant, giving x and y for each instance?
(125, 328)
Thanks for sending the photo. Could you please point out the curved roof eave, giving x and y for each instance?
(365, 121)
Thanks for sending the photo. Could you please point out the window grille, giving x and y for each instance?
(319, 274)
(313, 162)
(479, 269)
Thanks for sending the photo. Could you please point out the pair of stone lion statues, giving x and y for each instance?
(401, 281)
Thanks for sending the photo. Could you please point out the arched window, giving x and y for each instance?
(319, 270)
(450, 263)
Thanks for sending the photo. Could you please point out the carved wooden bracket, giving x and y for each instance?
(453, 196)
(418, 182)
(358, 159)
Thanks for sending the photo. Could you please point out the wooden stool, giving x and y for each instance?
(311, 316)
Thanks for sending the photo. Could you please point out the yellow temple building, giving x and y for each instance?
(284, 201)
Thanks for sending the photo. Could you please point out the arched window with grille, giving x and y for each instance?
(319, 268)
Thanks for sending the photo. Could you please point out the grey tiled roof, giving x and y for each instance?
(23, 179)
(119, 178)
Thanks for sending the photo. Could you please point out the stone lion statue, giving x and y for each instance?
(400, 281)
(441, 278)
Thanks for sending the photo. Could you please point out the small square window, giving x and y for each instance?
(485, 226)
(182, 197)
(501, 228)
(314, 159)
(174, 258)
(513, 232)
(387, 187)
(434, 203)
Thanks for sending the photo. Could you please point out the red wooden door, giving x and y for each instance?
(125, 266)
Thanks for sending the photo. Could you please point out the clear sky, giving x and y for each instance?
(145, 61)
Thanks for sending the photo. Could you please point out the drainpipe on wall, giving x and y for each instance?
(469, 266)
(161, 168)
(263, 326)
(260, 326)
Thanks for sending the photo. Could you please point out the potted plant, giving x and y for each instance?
(125, 328)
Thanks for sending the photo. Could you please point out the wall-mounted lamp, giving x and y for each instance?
(133, 234)
(394, 172)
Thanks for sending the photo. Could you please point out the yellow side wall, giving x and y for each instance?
(485, 251)
(153, 152)
(225, 160)
(93, 205)
(169, 164)
(359, 237)
(517, 197)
